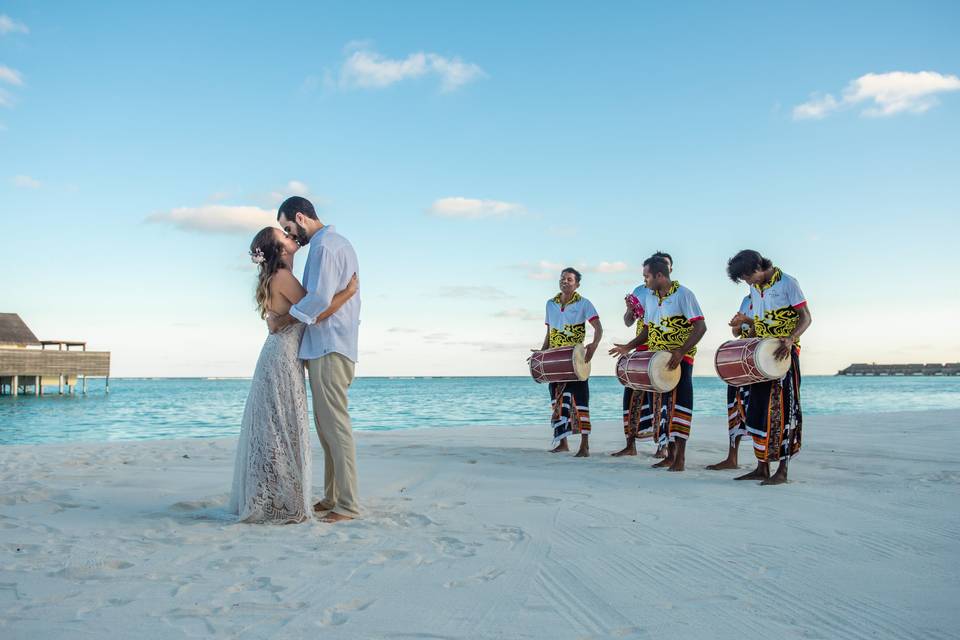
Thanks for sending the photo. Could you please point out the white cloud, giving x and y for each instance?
(367, 69)
(520, 314)
(292, 188)
(611, 267)
(6, 100)
(10, 76)
(9, 25)
(26, 182)
(546, 270)
(472, 209)
(473, 292)
(883, 94)
(217, 218)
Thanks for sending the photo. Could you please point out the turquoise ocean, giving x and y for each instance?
(164, 408)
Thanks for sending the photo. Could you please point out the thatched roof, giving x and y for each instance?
(14, 331)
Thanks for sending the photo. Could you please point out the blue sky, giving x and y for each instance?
(467, 151)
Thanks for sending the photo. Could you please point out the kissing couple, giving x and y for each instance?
(315, 323)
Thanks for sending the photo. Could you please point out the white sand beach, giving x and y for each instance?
(480, 533)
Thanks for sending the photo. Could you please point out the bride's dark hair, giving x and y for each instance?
(266, 252)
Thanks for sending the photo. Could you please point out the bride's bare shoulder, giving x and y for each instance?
(285, 284)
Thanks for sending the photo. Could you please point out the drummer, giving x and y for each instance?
(567, 316)
(634, 400)
(672, 322)
(780, 310)
(741, 325)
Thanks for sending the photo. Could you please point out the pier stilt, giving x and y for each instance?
(60, 385)
(13, 386)
(36, 385)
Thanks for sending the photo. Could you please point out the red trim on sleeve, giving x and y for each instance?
(596, 317)
(692, 320)
(802, 304)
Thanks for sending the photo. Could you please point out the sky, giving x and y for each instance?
(469, 152)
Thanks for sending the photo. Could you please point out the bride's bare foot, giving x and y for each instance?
(333, 516)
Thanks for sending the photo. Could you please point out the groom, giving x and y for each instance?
(329, 348)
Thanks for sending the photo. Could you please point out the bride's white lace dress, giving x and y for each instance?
(271, 477)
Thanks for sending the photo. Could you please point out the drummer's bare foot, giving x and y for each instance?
(762, 472)
(679, 455)
(729, 463)
(780, 477)
(560, 448)
(666, 462)
(584, 451)
(629, 450)
(661, 452)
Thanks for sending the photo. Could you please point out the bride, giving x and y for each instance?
(271, 476)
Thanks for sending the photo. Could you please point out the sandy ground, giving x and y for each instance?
(479, 533)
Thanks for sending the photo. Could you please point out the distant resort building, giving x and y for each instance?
(27, 363)
(935, 369)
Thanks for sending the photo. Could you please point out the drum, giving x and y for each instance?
(563, 364)
(647, 371)
(750, 360)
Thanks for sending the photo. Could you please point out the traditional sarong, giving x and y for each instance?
(774, 419)
(635, 406)
(667, 416)
(571, 409)
(737, 399)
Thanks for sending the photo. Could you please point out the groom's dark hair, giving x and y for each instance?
(292, 205)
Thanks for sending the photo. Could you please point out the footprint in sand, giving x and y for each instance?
(506, 533)
(486, 576)
(542, 500)
(456, 548)
(339, 614)
(386, 556)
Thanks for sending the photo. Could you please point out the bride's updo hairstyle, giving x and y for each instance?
(265, 252)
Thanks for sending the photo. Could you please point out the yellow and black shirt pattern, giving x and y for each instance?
(670, 319)
(775, 306)
(568, 322)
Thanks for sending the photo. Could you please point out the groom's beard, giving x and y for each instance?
(302, 238)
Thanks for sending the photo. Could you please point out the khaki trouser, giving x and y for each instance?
(330, 375)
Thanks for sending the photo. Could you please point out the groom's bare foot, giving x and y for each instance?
(320, 507)
(333, 516)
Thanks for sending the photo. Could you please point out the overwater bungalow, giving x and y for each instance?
(929, 369)
(27, 363)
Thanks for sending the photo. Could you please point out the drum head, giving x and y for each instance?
(580, 365)
(661, 378)
(767, 363)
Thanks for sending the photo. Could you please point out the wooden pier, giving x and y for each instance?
(27, 363)
(934, 369)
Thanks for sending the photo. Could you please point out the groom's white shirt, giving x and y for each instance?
(331, 263)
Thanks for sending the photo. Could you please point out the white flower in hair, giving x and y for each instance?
(256, 256)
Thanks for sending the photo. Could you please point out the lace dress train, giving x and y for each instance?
(271, 476)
